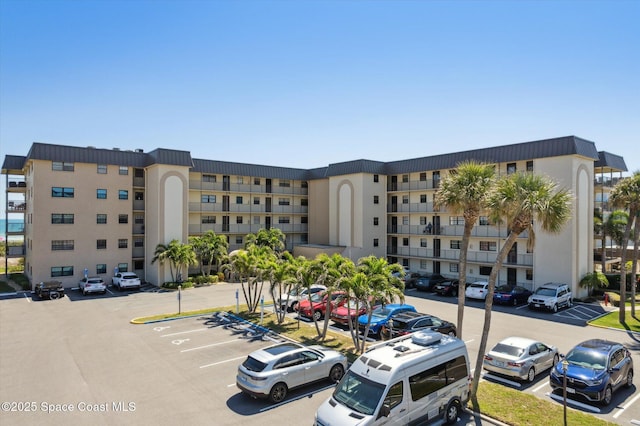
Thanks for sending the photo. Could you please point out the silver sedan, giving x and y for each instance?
(521, 358)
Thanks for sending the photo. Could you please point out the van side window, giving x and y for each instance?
(394, 396)
(428, 381)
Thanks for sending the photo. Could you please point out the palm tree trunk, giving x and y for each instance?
(622, 313)
(462, 278)
(634, 265)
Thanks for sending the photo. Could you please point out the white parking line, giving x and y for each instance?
(588, 309)
(28, 298)
(500, 379)
(184, 332)
(539, 387)
(574, 402)
(208, 346)
(222, 362)
(625, 406)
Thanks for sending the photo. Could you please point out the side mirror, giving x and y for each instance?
(385, 410)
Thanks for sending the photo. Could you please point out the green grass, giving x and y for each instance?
(612, 320)
(6, 288)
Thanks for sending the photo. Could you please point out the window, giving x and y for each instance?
(256, 220)
(511, 168)
(405, 241)
(456, 220)
(283, 201)
(57, 218)
(209, 178)
(208, 219)
(423, 264)
(376, 178)
(488, 246)
(423, 220)
(423, 198)
(304, 219)
(283, 219)
(101, 244)
(376, 242)
(208, 198)
(423, 242)
(394, 396)
(285, 183)
(123, 218)
(62, 166)
(454, 267)
(405, 220)
(139, 173)
(123, 194)
(59, 192)
(139, 195)
(436, 179)
(62, 271)
(240, 180)
(423, 177)
(101, 194)
(123, 243)
(138, 242)
(238, 239)
(138, 219)
(483, 220)
(256, 181)
(256, 201)
(138, 264)
(405, 178)
(405, 199)
(433, 379)
(304, 202)
(375, 221)
(529, 274)
(123, 170)
(485, 270)
(376, 199)
(62, 245)
(530, 165)
(101, 268)
(455, 244)
(102, 169)
(239, 200)
(123, 267)
(238, 219)
(101, 218)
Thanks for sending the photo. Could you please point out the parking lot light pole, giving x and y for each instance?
(565, 364)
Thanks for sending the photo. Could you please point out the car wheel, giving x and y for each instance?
(54, 295)
(629, 382)
(452, 412)
(336, 373)
(569, 303)
(531, 375)
(294, 306)
(278, 392)
(607, 396)
(556, 359)
(555, 308)
(452, 333)
(515, 302)
(317, 315)
(84, 292)
(454, 293)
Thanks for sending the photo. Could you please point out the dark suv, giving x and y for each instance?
(428, 281)
(49, 290)
(408, 322)
(596, 368)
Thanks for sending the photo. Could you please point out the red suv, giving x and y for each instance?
(318, 306)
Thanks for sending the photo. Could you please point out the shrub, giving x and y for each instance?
(21, 280)
(174, 286)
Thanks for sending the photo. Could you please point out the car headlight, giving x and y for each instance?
(595, 382)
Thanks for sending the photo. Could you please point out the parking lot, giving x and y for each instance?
(81, 351)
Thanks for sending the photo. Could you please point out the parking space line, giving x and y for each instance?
(500, 379)
(222, 362)
(208, 346)
(588, 309)
(539, 387)
(574, 402)
(625, 406)
(184, 332)
(28, 298)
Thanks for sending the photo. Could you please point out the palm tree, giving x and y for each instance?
(333, 268)
(307, 274)
(183, 257)
(614, 226)
(626, 194)
(598, 230)
(210, 249)
(634, 263)
(281, 280)
(519, 199)
(272, 237)
(595, 279)
(464, 191)
(250, 266)
(167, 252)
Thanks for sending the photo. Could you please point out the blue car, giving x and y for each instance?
(511, 295)
(381, 316)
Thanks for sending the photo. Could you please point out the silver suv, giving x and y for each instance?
(551, 296)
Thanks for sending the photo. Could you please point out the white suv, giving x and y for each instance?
(551, 296)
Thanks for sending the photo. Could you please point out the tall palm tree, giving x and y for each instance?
(626, 194)
(183, 257)
(464, 191)
(281, 281)
(595, 279)
(598, 230)
(210, 249)
(308, 273)
(272, 237)
(519, 199)
(634, 262)
(333, 268)
(167, 252)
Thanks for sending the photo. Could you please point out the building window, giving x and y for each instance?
(101, 244)
(405, 199)
(456, 220)
(123, 267)
(208, 219)
(240, 180)
(304, 202)
(102, 169)
(375, 221)
(455, 244)
(436, 179)
(405, 220)
(209, 178)
(454, 267)
(529, 274)
(376, 241)
(138, 219)
(405, 178)
(256, 220)
(62, 166)
(256, 201)
(123, 218)
(511, 168)
(483, 220)
(58, 192)
(58, 218)
(423, 198)
(139, 195)
(423, 264)
(208, 198)
(405, 241)
(62, 245)
(284, 201)
(138, 264)
(101, 218)
(376, 178)
(123, 170)
(101, 268)
(285, 183)
(239, 200)
(485, 270)
(123, 194)
(376, 199)
(239, 220)
(138, 242)
(423, 177)
(304, 219)
(123, 243)
(530, 165)
(284, 219)
(256, 181)
(139, 173)
(62, 271)
(423, 242)
(101, 194)
(423, 220)
(488, 246)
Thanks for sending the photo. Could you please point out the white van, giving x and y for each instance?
(409, 380)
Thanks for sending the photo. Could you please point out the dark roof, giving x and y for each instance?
(13, 164)
(355, 166)
(242, 169)
(609, 162)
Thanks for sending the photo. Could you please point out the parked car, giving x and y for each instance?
(408, 322)
(595, 369)
(551, 296)
(477, 290)
(411, 279)
(126, 280)
(92, 285)
(271, 372)
(447, 288)
(350, 310)
(49, 290)
(318, 306)
(521, 358)
(511, 295)
(429, 281)
(290, 300)
(381, 316)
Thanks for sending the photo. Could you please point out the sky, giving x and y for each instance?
(308, 83)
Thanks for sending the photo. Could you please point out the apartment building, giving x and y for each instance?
(90, 210)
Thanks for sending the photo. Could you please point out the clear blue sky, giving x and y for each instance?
(309, 83)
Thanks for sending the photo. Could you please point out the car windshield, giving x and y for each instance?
(587, 358)
(358, 393)
(508, 349)
(253, 364)
(317, 297)
(381, 312)
(545, 291)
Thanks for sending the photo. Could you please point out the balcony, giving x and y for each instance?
(17, 186)
(16, 206)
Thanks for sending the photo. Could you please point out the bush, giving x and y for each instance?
(21, 280)
(174, 286)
